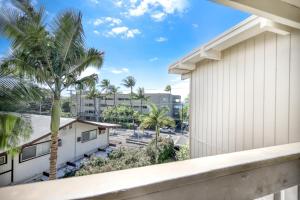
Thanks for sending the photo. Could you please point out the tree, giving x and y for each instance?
(94, 94)
(129, 82)
(105, 84)
(140, 95)
(113, 90)
(66, 107)
(157, 118)
(53, 56)
(169, 89)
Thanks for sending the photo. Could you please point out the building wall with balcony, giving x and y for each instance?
(250, 98)
(87, 108)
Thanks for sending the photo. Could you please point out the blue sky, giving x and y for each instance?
(143, 37)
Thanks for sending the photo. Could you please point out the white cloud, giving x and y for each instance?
(163, 7)
(153, 59)
(118, 3)
(159, 16)
(96, 32)
(195, 25)
(95, 1)
(107, 20)
(161, 39)
(181, 88)
(120, 71)
(123, 32)
(89, 71)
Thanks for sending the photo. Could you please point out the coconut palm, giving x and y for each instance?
(94, 94)
(54, 56)
(105, 84)
(157, 118)
(129, 82)
(113, 90)
(14, 127)
(140, 95)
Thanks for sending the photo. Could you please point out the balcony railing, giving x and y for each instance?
(241, 175)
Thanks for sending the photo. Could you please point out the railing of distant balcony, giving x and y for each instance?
(241, 175)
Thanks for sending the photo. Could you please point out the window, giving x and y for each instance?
(3, 160)
(28, 152)
(34, 151)
(88, 135)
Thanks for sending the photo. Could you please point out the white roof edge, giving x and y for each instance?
(244, 30)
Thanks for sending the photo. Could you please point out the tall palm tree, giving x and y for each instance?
(157, 118)
(129, 82)
(54, 56)
(113, 90)
(140, 95)
(105, 84)
(169, 89)
(94, 94)
(79, 87)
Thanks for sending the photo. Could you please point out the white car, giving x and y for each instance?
(167, 130)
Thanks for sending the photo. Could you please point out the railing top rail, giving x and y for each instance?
(132, 183)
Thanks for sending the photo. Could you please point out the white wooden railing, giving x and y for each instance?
(241, 175)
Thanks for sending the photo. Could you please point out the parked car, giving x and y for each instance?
(167, 130)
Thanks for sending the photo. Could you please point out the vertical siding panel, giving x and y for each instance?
(282, 92)
(294, 88)
(194, 139)
(232, 98)
(196, 135)
(240, 97)
(191, 112)
(220, 107)
(199, 110)
(214, 108)
(204, 109)
(270, 89)
(209, 107)
(259, 91)
(226, 102)
(249, 67)
(200, 113)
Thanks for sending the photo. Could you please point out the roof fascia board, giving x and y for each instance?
(185, 76)
(275, 10)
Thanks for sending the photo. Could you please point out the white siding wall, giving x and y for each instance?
(67, 152)
(248, 99)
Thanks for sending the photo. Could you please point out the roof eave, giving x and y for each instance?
(248, 28)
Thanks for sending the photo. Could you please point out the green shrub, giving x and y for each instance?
(165, 150)
(183, 153)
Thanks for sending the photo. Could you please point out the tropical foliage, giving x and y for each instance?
(120, 114)
(14, 128)
(183, 153)
(53, 55)
(125, 158)
(140, 95)
(157, 118)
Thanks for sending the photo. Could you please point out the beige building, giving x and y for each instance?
(87, 109)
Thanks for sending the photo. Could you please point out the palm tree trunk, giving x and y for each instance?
(55, 123)
(141, 106)
(114, 99)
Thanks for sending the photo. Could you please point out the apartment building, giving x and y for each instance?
(89, 109)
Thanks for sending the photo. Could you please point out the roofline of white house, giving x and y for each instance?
(286, 12)
(246, 29)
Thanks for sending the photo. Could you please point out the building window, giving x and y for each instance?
(34, 151)
(3, 160)
(88, 135)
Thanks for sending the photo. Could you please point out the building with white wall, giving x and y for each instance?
(244, 84)
(76, 138)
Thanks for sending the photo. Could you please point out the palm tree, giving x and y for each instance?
(105, 84)
(169, 89)
(157, 118)
(113, 90)
(94, 94)
(53, 56)
(79, 87)
(14, 127)
(129, 82)
(140, 95)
